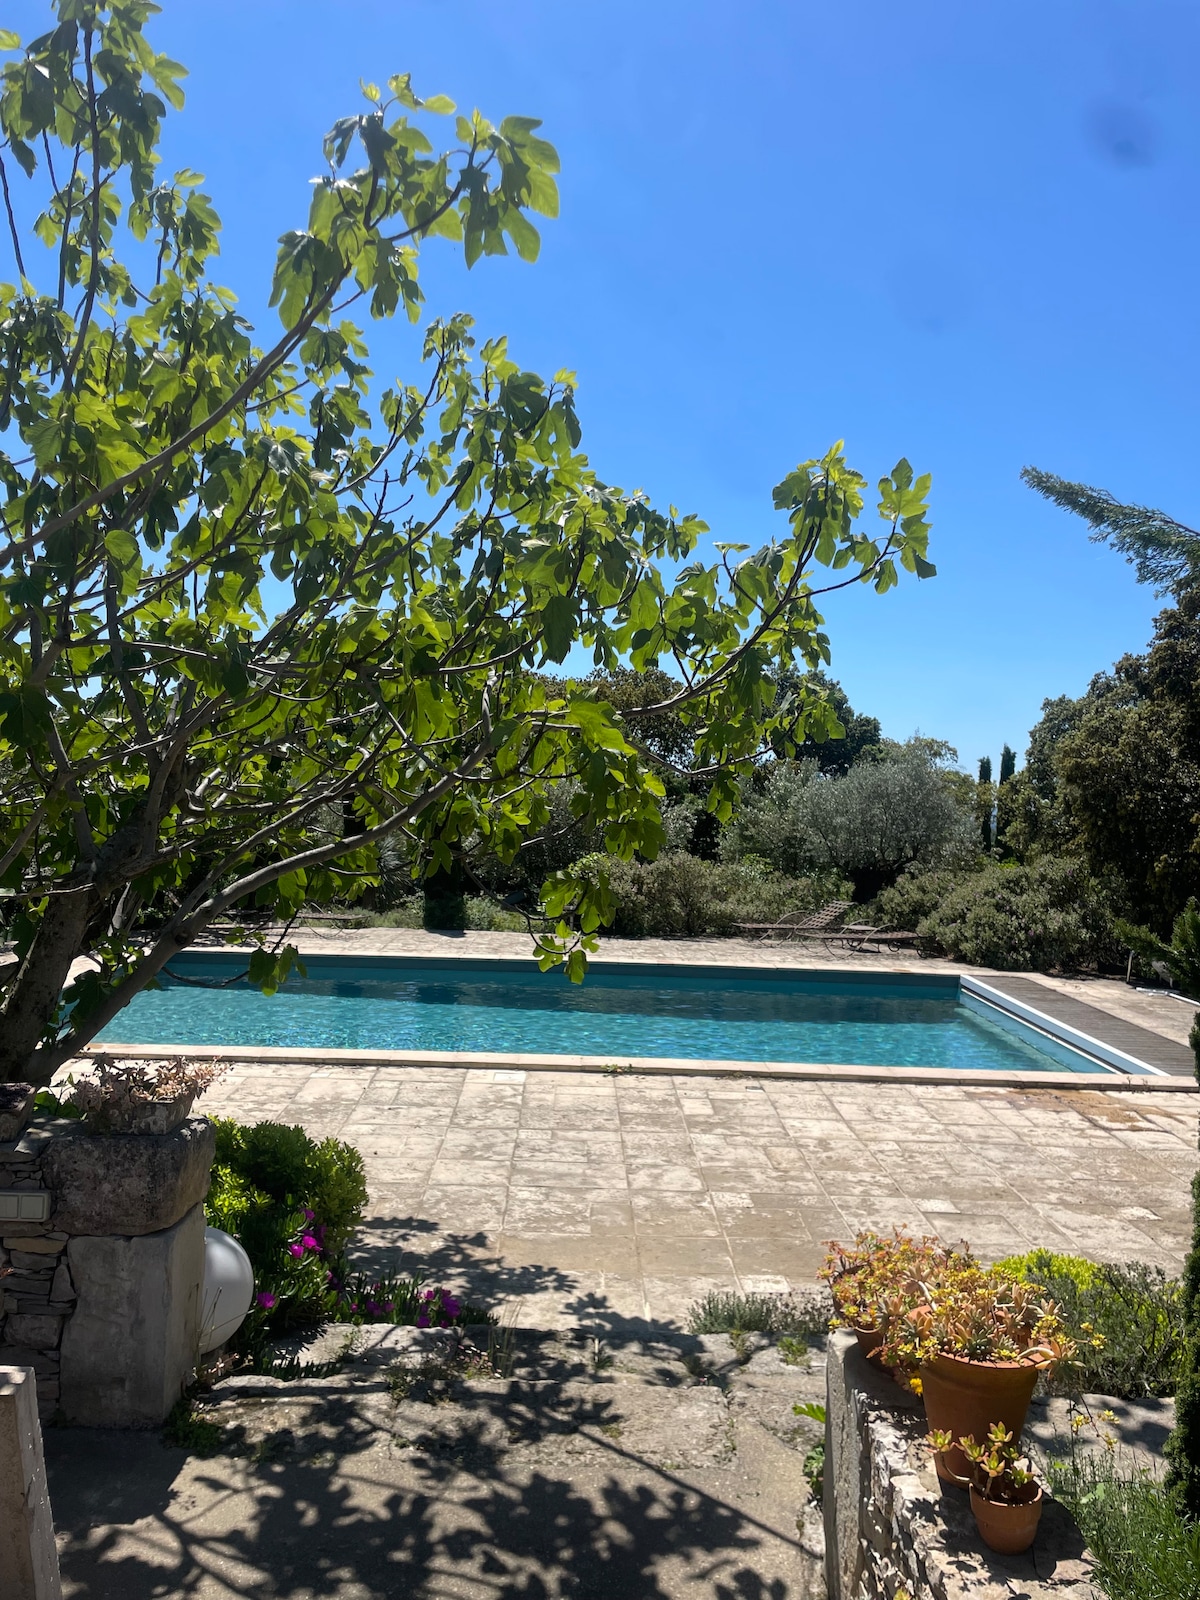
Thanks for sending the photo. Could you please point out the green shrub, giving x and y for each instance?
(1038, 1265)
(271, 1166)
(1183, 1447)
(1013, 918)
(1143, 1548)
(1135, 1311)
(293, 1202)
(680, 896)
(724, 1312)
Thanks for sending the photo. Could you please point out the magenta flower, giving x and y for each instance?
(296, 1251)
(310, 1243)
(389, 1305)
(423, 1320)
(450, 1306)
(309, 1216)
(267, 1301)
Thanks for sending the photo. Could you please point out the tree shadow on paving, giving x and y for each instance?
(522, 1495)
(388, 1245)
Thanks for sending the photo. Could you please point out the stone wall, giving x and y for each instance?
(892, 1530)
(103, 1239)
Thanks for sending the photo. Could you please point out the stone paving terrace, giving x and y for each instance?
(606, 1199)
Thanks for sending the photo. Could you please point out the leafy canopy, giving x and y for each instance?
(244, 590)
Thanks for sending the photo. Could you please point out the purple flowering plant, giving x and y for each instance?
(308, 1285)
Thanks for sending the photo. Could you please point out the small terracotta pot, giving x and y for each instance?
(869, 1340)
(964, 1398)
(1007, 1529)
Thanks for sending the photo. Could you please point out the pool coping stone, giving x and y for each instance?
(648, 1065)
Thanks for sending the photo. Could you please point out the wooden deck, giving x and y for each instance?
(1145, 1045)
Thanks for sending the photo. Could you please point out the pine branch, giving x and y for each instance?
(1164, 552)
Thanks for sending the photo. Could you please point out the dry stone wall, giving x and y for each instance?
(102, 1237)
(893, 1532)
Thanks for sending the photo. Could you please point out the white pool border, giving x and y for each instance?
(657, 1066)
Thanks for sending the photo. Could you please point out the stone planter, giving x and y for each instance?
(105, 1259)
(128, 1183)
(152, 1117)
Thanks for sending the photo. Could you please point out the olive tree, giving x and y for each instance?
(884, 815)
(244, 589)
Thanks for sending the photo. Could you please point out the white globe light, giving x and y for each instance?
(228, 1289)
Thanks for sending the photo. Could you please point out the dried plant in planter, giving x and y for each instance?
(133, 1097)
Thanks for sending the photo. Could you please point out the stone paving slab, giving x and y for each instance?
(613, 1200)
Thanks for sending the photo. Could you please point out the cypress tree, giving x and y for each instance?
(986, 799)
(1008, 764)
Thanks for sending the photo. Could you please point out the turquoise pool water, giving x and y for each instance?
(620, 1011)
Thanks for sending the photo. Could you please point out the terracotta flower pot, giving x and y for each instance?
(869, 1340)
(1007, 1529)
(965, 1397)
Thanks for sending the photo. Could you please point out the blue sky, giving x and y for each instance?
(965, 233)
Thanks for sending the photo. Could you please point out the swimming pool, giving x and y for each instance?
(622, 1011)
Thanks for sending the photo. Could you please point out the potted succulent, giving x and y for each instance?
(1006, 1498)
(881, 1276)
(129, 1097)
(973, 1350)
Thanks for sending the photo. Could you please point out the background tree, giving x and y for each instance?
(885, 815)
(985, 801)
(242, 590)
(837, 751)
(1165, 553)
(1140, 748)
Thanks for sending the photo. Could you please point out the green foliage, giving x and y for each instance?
(187, 1428)
(1181, 957)
(813, 1465)
(1113, 775)
(243, 585)
(883, 816)
(270, 1167)
(721, 1311)
(1143, 1548)
(680, 896)
(1128, 1321)
(293, 1202)
(1014, 918)
(1037, 1265)
(836, 752)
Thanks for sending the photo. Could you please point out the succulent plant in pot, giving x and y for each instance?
(973, 1349)
(879, 1277)
(1006, 1498)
